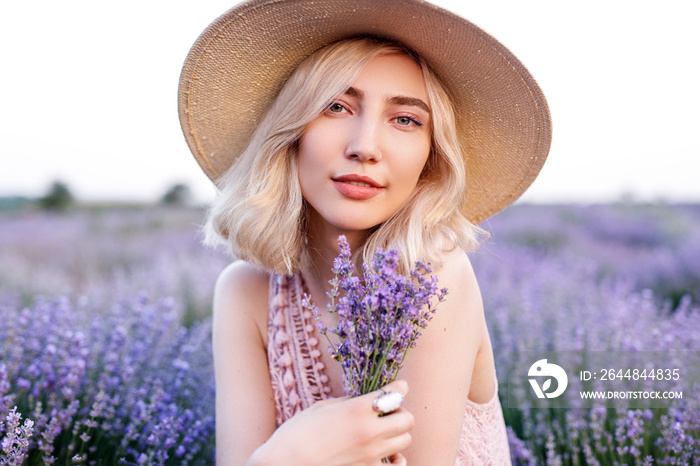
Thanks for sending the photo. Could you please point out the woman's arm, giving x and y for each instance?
(340, 431)
(245, 409)
(439, 369)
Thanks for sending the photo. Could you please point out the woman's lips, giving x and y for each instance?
(357, 186)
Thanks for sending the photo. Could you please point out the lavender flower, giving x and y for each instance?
(519, 454)
(16, 441)
(106, 386)
(379, 317)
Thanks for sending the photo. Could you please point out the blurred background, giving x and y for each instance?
(89, 95)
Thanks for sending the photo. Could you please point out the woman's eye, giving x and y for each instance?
(406, 121)
(336, 107)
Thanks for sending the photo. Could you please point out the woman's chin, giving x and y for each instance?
(352, 223)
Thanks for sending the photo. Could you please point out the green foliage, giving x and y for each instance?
(179, 194)
(58, 197)
(13, 203)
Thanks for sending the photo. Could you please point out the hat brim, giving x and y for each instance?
(240, 62)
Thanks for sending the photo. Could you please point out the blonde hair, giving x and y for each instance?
(260, 212)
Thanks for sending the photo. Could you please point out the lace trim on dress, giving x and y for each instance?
(292, 350)
(483, 439)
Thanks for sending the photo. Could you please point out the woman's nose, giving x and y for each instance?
(363, 141)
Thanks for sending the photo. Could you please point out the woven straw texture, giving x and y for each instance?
(239, 63)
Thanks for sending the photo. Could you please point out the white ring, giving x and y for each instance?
(387, 402)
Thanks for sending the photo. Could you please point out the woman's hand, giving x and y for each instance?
(340, 431)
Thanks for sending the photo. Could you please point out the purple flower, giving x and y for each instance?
(379, 316)
(107, 384)
(15, 444)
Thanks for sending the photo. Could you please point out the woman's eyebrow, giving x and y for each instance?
(396, 100)
(405, 100)
(353, 92)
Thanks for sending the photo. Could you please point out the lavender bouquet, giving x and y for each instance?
(378, 318)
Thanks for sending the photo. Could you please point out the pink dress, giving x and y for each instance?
(298, 378)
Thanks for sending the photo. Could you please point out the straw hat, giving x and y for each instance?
(238, 65)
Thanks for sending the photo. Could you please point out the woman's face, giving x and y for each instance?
(360, 160)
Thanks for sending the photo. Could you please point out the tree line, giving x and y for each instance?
(59, 197)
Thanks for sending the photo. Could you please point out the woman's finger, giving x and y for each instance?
(397, 386)
(397, 459)
(392, 446)
(395, 424)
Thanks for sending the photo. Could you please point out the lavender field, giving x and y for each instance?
(105, 354)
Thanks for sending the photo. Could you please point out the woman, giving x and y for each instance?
(311, 129)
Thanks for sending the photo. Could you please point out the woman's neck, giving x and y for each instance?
(322, 249)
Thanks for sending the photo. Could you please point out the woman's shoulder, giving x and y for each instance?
(241, 295)
(463, 308)
(456, 268)
(241, 275)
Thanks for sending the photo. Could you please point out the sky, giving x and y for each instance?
(90, 95)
